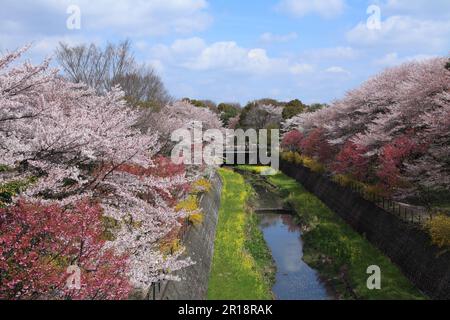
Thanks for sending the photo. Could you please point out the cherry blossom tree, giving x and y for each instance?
(351, 160)
(76, 143)
(178, 115)
(395, 125)
(292, 141)
(391, 158)
(39, 242)
(316, 145)
(430, 170)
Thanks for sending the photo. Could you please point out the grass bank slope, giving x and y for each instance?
(339, 253)
(242, 264)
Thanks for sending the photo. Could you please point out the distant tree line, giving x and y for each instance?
(270, 113)
(259, 114)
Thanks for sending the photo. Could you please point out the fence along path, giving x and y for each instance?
(406, 212)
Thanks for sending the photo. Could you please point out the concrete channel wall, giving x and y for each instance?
(406, 244)
(199, 243)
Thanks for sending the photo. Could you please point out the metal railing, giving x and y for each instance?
(406, 212)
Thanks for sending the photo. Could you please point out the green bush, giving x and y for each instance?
(293, 108)
(9, 190)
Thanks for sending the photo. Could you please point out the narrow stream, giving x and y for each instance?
(295, 280)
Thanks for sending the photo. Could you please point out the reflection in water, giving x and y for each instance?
(295, 280)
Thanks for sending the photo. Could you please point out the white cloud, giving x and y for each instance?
(195, 54)
(41, 47)
(188, 46)
(229, 56)
(301, 68)
(332, 53)
(393, 58)
(300, 8)
(147, 17)
(222, 55)
(139, 17)
(43, 22)
(270, 37)
(403, 31)
(159, 51)
(336, 69)
(389, 59)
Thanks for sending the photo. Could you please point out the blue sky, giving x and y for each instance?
(228, 50)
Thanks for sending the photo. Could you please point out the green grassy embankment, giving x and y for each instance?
(339, 253)
(242, 266)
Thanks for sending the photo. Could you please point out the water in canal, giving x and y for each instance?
(295, 280)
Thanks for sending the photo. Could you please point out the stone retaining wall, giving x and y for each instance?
(199, 243)
(407, 245)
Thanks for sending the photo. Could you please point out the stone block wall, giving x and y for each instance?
(406, 244)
